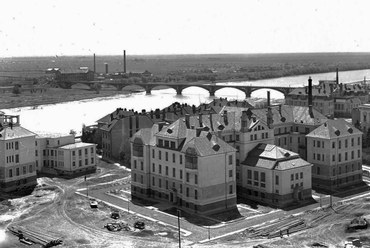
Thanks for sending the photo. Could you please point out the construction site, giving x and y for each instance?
(99, 212)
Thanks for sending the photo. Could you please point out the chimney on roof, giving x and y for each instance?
(210, 120)
(337, 77)
(310, 96)
(187, 121)
(106, 68)
(160, 125)
(124, 61)
(280, 109)
(164, 114)
(244, 122)
(94, 64)
(198, 130)
(111, 117)
(226, 121)
(269, 111)
(143, 111)
(200, 119)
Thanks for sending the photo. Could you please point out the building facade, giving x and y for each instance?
(17, 155)
(275, 176)
(336, 155)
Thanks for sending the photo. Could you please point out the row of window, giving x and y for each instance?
(52, 153)
(12, 145)
(321, 157)
(255, 136)
(17, 170)
(347, 168)
(259, 178)
(10, 159)
(166, 158)
(321, 144)
(55, 163)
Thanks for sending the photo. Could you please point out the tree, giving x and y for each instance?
(72, 132)
(16, 90)
(96, 87)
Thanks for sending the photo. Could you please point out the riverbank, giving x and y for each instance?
(55, 95)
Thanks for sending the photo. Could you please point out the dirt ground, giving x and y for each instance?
(54, 208)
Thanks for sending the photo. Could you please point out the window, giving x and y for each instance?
(160, 142)
(173, 145)
(318, 144)
(166, 184)
(333, 158)
(79, 163)
(352, 154)
(85, 150)
(291, 177)
(249, 174)
(166, 170)
(276, 179)
(153, 181)
(153, 153)
(173, 158)
(195, 194)
(160, 169)
(10, 173)
(301, 175)
(340, 157)
(333, 145)
(333, 171)
(187, 192)
(142, 165)
(92, 160)
(187, 177)
(166, 143)
(230, 189)
(141, 179)
(166, 156)
(16, 145)
(345, 156)
(86, 162)
(160, 183)
(318, 170)
(340, 144)
(230, 159)
(230, 173)
(17, 158)
(314, 143)
(196, 179)
(358, 141)
(153, 167)
(79, 153)
(180, 159)
(255, 176)
(17, 172)
(251, 137)
(180, 174)
(92, 150)
(346, 143)
(263, 177)
(352, 141)
(323, 144)
(237, 137)
(296, 176)
(159, 155)
(25, 170)
(358, 153)
(135, 164)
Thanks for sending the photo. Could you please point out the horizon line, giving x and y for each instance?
(179, 54)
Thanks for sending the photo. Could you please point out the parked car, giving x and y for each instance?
(114, 215)
(139, 225)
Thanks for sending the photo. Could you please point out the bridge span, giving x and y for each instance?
(179, 87)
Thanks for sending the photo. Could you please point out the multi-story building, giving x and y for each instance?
(59, 154)
(343, 107)
(189, 167)
(275, 176)
(361, 117)
(336, 154)
(17, 155)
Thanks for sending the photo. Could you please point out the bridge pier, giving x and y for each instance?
(247, 93)
(119, 87)
(211, 92)
(179, 91)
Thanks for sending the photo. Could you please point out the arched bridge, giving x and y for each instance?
(179, 87)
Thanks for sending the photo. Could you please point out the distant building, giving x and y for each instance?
(17, 155)
(336, 154)
(361, 115)
(66, 75)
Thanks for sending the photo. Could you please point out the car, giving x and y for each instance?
(93, 203)
(139, 225)
(114, 215)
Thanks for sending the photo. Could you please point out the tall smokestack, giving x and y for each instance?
(310, 95)
(94, 64)
(268, 99)
(269, 111)
(337, 78)
(124, 61)
(106, 68)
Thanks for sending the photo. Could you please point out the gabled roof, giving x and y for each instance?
(147, 135)
(292, 114)
(273, 158)
(176, 130)
(316, 91)
(118, 113)
(110, 125)
(16, 132)
(204, 146)
(334, 129)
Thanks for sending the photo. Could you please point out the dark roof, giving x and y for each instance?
(334, 129)
(292, 114)
(273, 158)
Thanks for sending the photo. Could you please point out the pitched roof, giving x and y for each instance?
(16, 132)
(117, 114)
(147, 135)
(273, 158)
(334, 129)
(292, 114)
(204, 146)
(316, 91)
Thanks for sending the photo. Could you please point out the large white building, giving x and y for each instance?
(17, 155)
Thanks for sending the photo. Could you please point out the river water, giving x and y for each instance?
(63, 117)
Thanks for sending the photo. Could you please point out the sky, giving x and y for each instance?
(79, 27)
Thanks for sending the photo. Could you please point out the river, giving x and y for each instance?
(64, 117)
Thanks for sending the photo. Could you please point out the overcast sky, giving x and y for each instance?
(65, 27)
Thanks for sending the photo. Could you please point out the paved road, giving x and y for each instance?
(199, 233)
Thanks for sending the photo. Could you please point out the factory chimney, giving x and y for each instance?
(310, 95)
(94, 64)
(269, 111)
(124, 61)
(337, 78)
(106, 68)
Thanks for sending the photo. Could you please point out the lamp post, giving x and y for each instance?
(178, 223)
